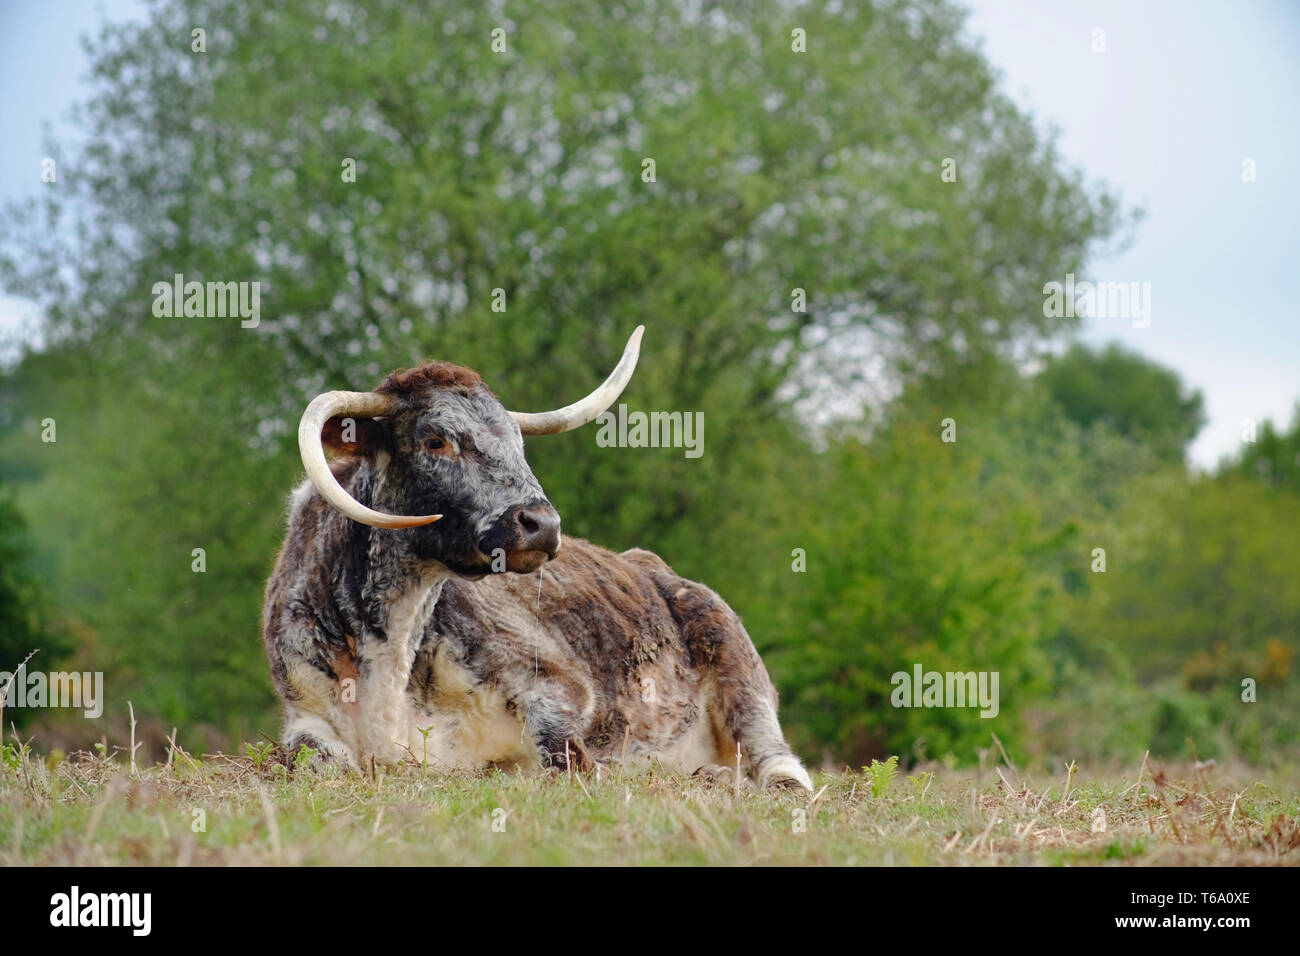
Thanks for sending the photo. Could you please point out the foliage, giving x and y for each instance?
(522, 172)
(26, 619)
(1273, 457)
(880, 776)
(476, 172)
(1207, 563)
(1133, 395)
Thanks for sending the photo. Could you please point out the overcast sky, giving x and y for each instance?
(1182, 94)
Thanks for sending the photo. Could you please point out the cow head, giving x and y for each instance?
(445, 459)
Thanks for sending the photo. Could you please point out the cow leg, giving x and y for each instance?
(315, 715)
(316, 734)
(553, 726)
(386, 661)
(554, 701)
(381, 690)
(308, 670)
(742, 704)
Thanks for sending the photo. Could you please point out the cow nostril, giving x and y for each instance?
(538, 529)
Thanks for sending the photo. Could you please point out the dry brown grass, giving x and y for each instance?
(95, 809)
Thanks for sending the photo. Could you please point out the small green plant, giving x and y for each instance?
(424, 732)
(11, 756)
(258, 752)
(920, 784)
(302, 759)
(1124, 849)
(1070, 771)
(881, 775)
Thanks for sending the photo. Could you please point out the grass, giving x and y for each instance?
(261, 809)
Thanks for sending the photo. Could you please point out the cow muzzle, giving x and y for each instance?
(528, 535)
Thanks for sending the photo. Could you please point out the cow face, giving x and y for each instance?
(444, 463)
(449, 447)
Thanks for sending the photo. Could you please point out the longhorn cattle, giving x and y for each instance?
(422, 606)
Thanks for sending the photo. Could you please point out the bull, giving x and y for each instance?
(422, 605)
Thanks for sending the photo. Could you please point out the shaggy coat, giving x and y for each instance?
(448, 643)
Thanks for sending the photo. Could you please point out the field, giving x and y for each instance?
(254, 809)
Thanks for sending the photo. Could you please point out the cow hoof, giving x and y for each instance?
(307, 752)
(716, 773)
(784, 772)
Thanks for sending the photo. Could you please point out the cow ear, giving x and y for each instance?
(345, 435)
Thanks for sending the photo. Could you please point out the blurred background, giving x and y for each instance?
(853, 212)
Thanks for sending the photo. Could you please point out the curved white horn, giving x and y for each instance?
(587, 409)
(322, 409)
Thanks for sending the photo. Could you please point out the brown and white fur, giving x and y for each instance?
(404, 644)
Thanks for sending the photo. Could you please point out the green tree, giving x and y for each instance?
(1133, 395)
(1208, 562)
(516, 178)
(26, 619)
(1201, 592)
(1273, 457)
